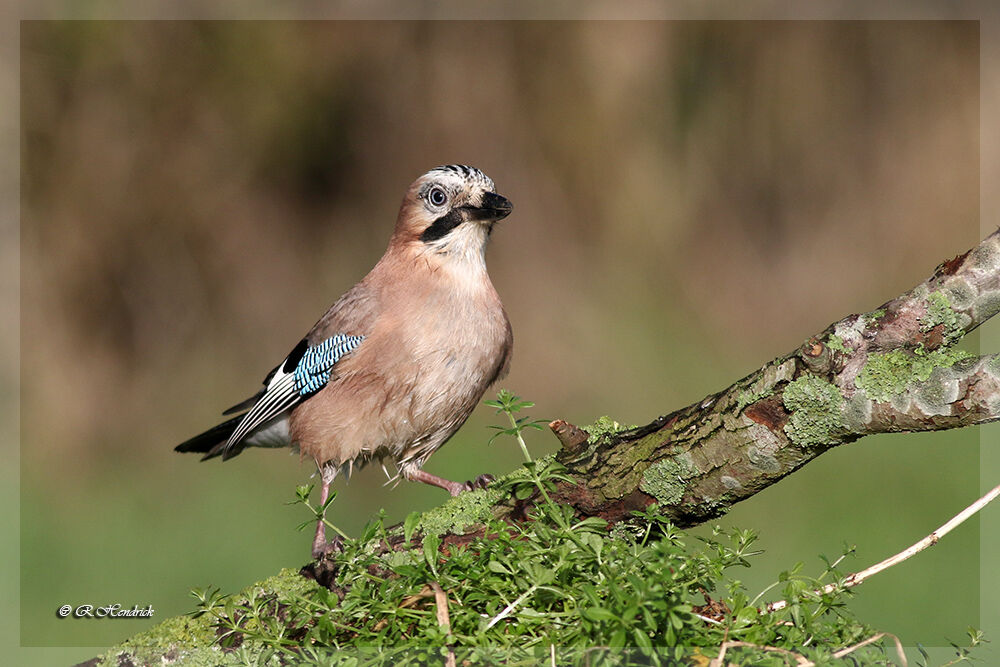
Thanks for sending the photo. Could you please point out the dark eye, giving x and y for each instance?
(437, 196)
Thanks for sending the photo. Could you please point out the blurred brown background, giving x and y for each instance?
(691, 200)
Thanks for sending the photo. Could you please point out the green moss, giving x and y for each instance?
(202, 656)
(396, 559)
(816, 411)
(470, 508)
(180, 632)
(191, 640)
(885, 374)
(888, 374)
(666, 480)
(940, 312)
(287, 583)
(836, 343)
(462, 511)
(750, 396)
(604, 427)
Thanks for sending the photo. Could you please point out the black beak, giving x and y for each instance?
(493, 207)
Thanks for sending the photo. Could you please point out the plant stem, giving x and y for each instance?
(335, 529)
(520, 440)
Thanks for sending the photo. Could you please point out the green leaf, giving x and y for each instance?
(598, 614)
(747, 616)
(498, 567)
(329, 501)
(593, 541)
(432, 544)
(370, 530)
(795, 588)
(410, 525)
(642, 639)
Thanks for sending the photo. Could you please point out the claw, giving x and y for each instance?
(480, 482)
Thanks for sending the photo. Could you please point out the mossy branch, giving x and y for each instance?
(889, 370)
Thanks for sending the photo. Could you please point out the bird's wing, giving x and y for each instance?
(304, 371)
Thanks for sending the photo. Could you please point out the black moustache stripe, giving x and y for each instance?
(440, 227)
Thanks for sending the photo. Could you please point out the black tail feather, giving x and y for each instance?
(213, 441)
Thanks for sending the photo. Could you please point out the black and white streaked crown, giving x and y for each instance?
(470, 174)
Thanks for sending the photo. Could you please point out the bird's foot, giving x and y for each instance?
(454, 488)
(480, 482)
(322, 548)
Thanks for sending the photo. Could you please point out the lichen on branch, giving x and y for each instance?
(895, 368)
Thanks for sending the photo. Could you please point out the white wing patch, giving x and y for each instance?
(279, 396)
(290, 386)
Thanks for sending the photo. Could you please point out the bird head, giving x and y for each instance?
(451, 210)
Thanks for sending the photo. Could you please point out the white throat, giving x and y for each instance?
(462, 251)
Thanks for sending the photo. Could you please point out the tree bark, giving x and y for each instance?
(894, 369)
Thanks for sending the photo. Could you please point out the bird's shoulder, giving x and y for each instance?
(354, 313)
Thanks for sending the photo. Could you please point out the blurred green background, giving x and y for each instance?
(691, 200)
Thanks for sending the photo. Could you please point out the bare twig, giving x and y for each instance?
(801, 660)
(571, 437)
(511, 607)
(708, 620)
(718, 662)
(871, 640)
(858, 577)
(407, 602)
(441, 603)
(443, 619)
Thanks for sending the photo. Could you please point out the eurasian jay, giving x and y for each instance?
(399, 362)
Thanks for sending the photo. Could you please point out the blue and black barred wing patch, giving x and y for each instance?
(304, 372)
(313, 370)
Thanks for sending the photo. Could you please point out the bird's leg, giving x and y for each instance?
(320, 546)
(454, 488)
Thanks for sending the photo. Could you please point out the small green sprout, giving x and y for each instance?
(509, 404)
(543, 473)
(319, 513)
